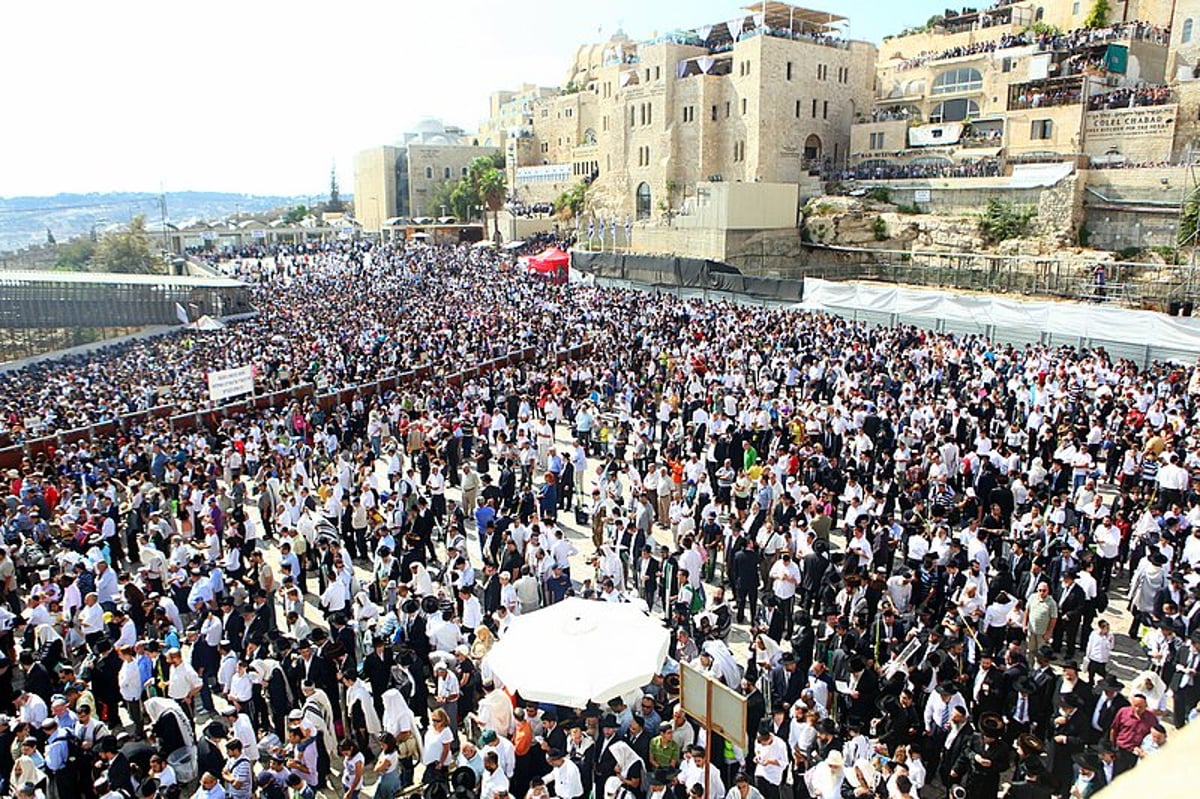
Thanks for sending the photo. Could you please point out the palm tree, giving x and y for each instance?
(492, 191)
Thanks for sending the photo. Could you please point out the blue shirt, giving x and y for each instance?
(56, 750)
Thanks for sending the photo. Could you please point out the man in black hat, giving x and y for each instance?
(1033, 782)
(564, 774)
(1185, 682)
(1066, 737)
(983, 759)
(605, 762)
(1072, 602)
(1104, 707)
(1044, 679)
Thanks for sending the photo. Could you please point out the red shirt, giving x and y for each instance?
(1128, 731)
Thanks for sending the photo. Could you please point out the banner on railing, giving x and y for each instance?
(230, 382)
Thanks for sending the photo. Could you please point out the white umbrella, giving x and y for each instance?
(578, 650)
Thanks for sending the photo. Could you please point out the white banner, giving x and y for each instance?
(230, 382)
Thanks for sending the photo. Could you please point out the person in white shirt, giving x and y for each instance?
(1099, 651)
(568, 784)
(770, 759)
(91, 618)
(785, 577)
(494, 784)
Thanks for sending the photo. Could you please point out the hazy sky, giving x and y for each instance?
(261, 96)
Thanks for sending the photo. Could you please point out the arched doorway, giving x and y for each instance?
(812, 147)
(643, 201)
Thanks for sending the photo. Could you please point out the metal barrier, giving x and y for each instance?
(12, 456)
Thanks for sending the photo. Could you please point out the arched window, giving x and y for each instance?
(643, 201)
(1039, 14)
(953, 81)
(1185, 35)
(954, 111)
(812, 147)
(589, 137)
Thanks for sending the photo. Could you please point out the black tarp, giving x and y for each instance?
(691, 273)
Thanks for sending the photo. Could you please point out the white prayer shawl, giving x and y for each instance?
(360, 694)
(395, 712)
(724, 663)
(625, 757)
(156, 706)
(422, 583)
(318, 715)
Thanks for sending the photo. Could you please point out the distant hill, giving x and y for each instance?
(24, 220)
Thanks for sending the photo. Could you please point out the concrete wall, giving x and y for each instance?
(1133, 207)
(742, 206)
(693, 243)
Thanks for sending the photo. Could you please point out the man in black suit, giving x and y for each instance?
(861, 700)
(37, 677)
(1066, 738)
(648, 569)
(412, 629)
(233, 626)
(1185, 682)
(745, 579)
(116, 765)
(602, 749)
(1072, 602)
(988, 693)
(983, 758)
(1104, 708)
(957, 737)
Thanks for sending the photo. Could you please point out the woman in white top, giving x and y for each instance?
(435, 753)
(387, 766)
(353, 765)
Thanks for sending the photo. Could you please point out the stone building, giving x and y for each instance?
(401, 180)
(982, 85)
(767, 96)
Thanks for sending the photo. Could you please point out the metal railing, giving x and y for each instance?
(12, 454)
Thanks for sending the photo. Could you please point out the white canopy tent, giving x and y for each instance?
(578, 651)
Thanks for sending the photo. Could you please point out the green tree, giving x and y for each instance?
(493, 190)
(296, 215)
(571, 202)
(1002, 221)
(1098, 14)
(335, 203)
(75, 255)
(127, 250)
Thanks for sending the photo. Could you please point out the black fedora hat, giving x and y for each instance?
(991, 725)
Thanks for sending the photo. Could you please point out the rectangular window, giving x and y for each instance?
(714, 113)
(429, 171)
(649, 113)
(728, 105)
(825, 110)
(1041, 129)
(814, 108)
(1006, 65)
(657, 73)
(1075, 7)
(876, 141)
(789, 70)
(797, 109)
(744, 106)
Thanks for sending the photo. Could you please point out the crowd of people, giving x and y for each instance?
(1131, 98)
(1047, 40)
(919, 534)
(1045, 96)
